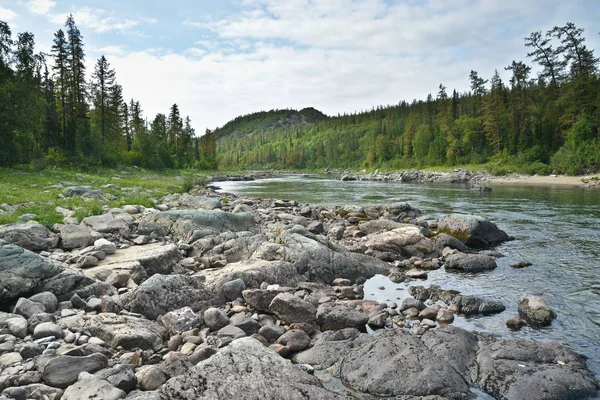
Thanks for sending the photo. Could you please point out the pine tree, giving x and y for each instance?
(103, 81)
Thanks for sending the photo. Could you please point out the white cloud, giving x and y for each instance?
(40, 6)
(111, 50)
(100, 21)
(7, 14)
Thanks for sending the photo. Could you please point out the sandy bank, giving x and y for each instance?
(552, 180)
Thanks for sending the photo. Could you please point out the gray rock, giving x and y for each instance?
(233, 289)
(46, 329)
(246, 369)
(331, 316)
(155, 258)
(374, 368)
(105, 246)
(290, 308)
(83, 191)
(75, 236)
(150, 377)
(515, 323)
(17, 326)
(31, 350)
(330, 347)
(126, 331)
(525, 369)
(470, 263)
(120, 376)
(535, 311)
(163, 293)
(30, 236)
(230, 331)
(180, 320)
(90, 387)
(28, 308)
(215, 319)
(474, 231)
(444, 240)
(10, 359)
(37, 319)
(473, 305)
(271, 332)
(454, 346)
(412, 303)
(71, 281)
(295, 340)
(245, 323)
(261, 299)
(21, 271)
(63, 371)
(405, 241)
(108, 222)
(316, 227)
(47, 299)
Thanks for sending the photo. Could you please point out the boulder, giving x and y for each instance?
(28, 308)
(215, 318)
(183, 223)
(163, 293)
(474, 231)
(46, 329)
(71, 281)
(454, 346)
(180, 320)
(126, 331)
(47, 299)
(442, 240)
(105, 246)
(295, 340)
(155, 258)
(330, 347)
(120, 376)
(473, 305)
(470, 263)
(22, 271)
(151, 377)
(63, 371)
(374, 368)
(246, 369)
(233, 289)
(31, 236)
(90, 387)
(75, 236)
(526, 369)
(290, 308)
(406, 241)
(260, 299)
(83, 191)
(535, 311)
(108, 222)
(332, 316)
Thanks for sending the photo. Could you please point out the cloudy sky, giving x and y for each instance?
(221, 58)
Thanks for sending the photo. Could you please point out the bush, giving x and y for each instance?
(538, 168)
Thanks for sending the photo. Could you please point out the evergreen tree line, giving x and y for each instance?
(50, 114)
(546, 123)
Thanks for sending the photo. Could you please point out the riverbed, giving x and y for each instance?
(557, 229)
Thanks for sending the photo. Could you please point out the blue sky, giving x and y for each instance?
(220, 59)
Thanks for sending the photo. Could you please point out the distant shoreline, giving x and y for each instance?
(550, 180)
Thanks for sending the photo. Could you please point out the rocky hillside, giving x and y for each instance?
(209, 296)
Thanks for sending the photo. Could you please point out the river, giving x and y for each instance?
(557, 229)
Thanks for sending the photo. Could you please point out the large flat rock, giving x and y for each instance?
(127, 331)
(155, 258)
(30, 236)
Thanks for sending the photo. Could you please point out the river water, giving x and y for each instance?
(557, 229)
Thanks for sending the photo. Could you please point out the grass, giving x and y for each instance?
(38, 192)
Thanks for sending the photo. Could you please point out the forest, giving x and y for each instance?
(535, 124)
(545, 119)
(50, 115)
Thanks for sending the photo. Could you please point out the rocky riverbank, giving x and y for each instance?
(459, 175)
(210, 296)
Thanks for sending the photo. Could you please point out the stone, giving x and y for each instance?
(454, 346)
(10, 359)
(163, 293)
(416, 273)
(155, 258)
(230, 331)
(515, 323)
(331, 316)
(63, 371)
(46, 329)
(47, 299)
(474, 231)
(271, 332)
(71, 281)
(83, 191)
(473, 305)
(245, 323)
(233, 289)
(150, 377)
(261, 299)
(28, 308)
(105, 246)
(75, 236)
(31, 350)
(215, 319)
(526, 369)
(118, 279)
(174, 364)
(330, 346)
(246, 369)
(405, 241)
(87, 261)
(408, 303)
(295, 340)
(470, 263)
(22, 271)
(109, 222)
(17, 326)
(90, 387)
(126, 331)
(180, 320)
(374, 367)
(316, 227)
(535, 311)
(290, 308)
(443, 240)
(30, 235)
(445, 317)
